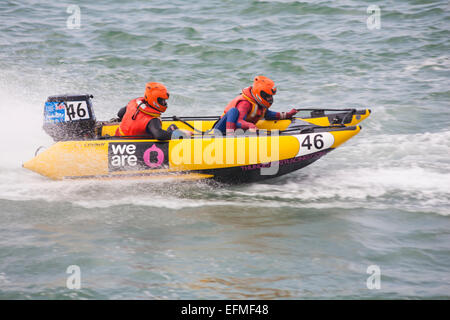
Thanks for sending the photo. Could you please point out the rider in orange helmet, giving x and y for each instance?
(141, 117)
(250, 106)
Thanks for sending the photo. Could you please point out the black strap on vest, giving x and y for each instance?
(137, 110)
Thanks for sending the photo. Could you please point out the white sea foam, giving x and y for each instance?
(437, 63)
(21, 130)
(374, 178)
(407, 171)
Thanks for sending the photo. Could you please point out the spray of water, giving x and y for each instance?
(21, 130)
(376, 169)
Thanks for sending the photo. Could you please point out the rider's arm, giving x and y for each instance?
(121, 112)
(272, 115)
(244, 107)
(155, 130)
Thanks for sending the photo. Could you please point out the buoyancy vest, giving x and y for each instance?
(136, 118)
(255, 114)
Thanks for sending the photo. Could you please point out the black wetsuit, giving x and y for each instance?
(153, 128)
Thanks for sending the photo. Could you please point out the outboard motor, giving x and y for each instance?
(69, 117)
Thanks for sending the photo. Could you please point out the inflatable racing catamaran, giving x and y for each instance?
(86, 148)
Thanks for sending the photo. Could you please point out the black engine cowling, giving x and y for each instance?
(69, 117)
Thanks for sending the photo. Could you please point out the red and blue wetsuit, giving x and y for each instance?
(243, 112)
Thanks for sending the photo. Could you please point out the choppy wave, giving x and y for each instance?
(375, 170)
(408, 172)
(437, 64)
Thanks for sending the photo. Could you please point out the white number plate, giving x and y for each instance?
(314, 142)
(76, 110)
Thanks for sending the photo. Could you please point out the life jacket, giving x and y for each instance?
(255, 114)
(134, 121)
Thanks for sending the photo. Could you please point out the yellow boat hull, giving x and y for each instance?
(228, 159)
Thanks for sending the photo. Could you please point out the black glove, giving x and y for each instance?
(172, 128)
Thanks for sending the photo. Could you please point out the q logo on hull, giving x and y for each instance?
(159, 157)
(137, 156)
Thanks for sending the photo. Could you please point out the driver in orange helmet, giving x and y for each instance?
(141, 117)
(250, 106)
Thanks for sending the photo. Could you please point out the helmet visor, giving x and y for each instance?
(162, 102)
(267, 97)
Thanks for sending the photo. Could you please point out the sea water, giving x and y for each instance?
(380, 202)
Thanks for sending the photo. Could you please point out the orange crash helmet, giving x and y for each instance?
(156, 96)
(263, 90)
